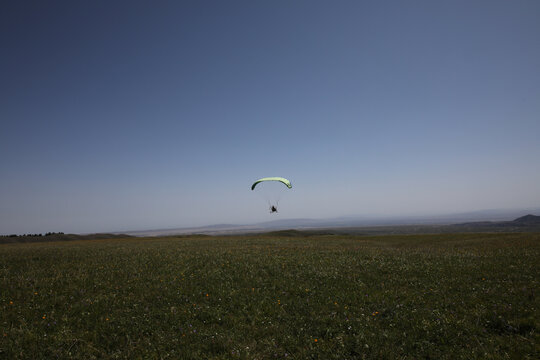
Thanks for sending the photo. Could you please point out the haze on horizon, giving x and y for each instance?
(136, 115)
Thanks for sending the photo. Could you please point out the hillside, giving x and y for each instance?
(528, 220)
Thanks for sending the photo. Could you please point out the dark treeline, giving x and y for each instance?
(33, 235)
(55, 236)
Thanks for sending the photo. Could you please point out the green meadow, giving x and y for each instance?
(285, 295)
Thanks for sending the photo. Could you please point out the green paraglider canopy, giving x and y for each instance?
(280, 179)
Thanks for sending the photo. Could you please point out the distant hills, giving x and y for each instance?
(486, 220)
(527, 222)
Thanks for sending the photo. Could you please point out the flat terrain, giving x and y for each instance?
(286, 295)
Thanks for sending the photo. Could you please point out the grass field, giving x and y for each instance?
(286, 296)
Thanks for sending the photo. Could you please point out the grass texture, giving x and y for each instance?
(284, 296)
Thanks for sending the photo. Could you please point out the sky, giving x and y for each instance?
(133, 115)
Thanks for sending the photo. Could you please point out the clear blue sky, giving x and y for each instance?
(126, 115)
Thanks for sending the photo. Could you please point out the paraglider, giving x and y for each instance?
(272, 193)
(280, 179)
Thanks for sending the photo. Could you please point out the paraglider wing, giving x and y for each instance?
(280, 179)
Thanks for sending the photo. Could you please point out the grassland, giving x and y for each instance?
(286, 296)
